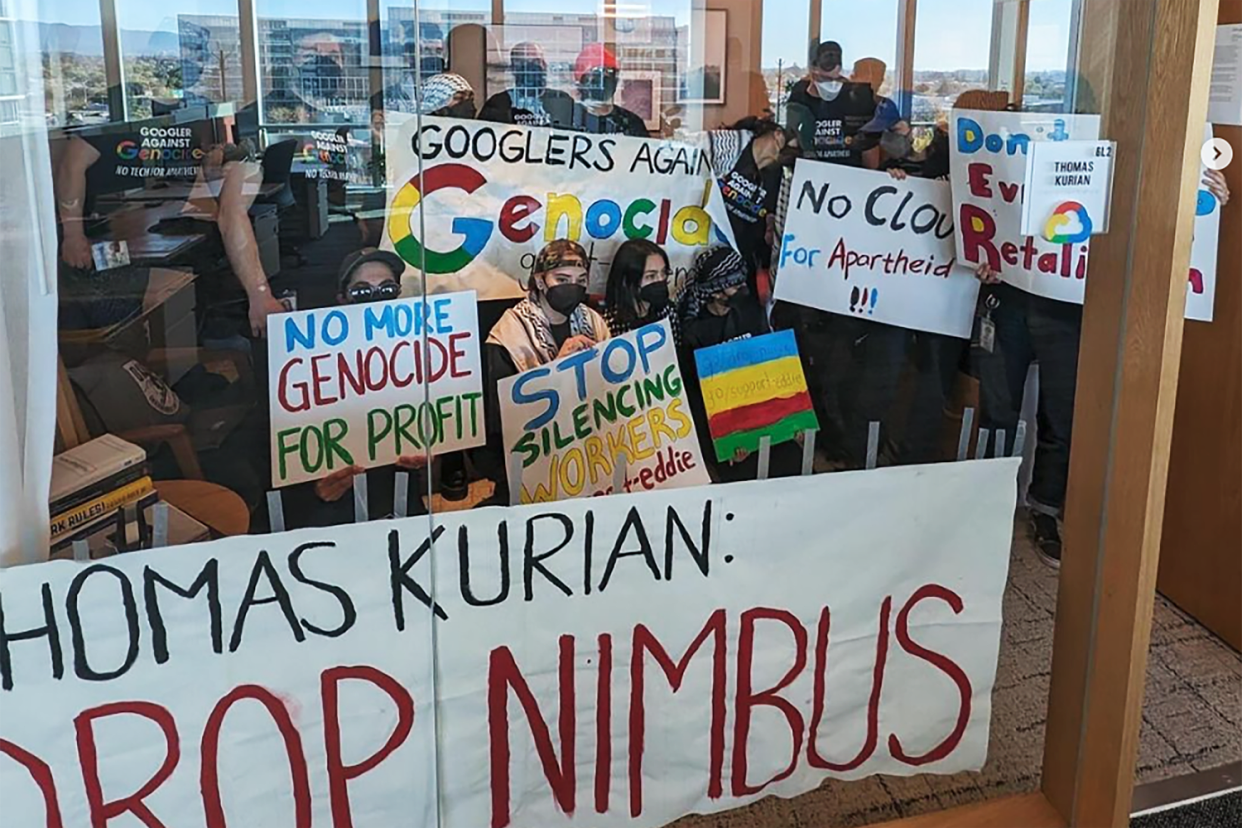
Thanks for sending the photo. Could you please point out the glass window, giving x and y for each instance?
(867, 31)
(70, 43)
(948, 54)
(1047, 55)
(785, 46)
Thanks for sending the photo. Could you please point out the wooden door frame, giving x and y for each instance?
(1148, 67)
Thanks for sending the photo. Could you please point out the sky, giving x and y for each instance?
(950, 34)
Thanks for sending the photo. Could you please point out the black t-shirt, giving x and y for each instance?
(552, 108)
(750, 194)
(837, 123)
(619, 121)
(127, 160)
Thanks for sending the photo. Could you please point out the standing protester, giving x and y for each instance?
(597, 73)
(553, 321)
(837, 108)
(716, 307)
(637, 293)
(529, 102)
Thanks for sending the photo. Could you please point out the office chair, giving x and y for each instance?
(277, 166)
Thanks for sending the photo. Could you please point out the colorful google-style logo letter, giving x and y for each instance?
(475, 232)
(1068, 224)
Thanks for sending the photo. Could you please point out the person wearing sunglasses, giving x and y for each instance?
(638, 290)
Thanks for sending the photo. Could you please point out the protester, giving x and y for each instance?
(529, 102)
(596, 73)
(638, 292)
(837, 109)
(367, 275)
(553, 321)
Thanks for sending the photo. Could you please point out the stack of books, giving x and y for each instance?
(94, 486)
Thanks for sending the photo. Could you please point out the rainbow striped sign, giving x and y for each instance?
(754, 388)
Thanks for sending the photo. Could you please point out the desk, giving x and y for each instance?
(179, 191)
(132, 224)
(221, 510)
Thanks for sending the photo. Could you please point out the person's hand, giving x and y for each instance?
(262, 304)
(330, 489)
(574, 344)
(984, 273)
(1215, 182)
(898, 174)
(412, 461)
(739, 455)
(75, 250)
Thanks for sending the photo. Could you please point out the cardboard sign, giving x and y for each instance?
(1204, 250)
(358, 385)
(754, 388)
(1069, 185)
(570, 420)
(492, 195)
(622, 661)
(860, 243)
(988, 168)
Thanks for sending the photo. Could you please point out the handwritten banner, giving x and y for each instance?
(859, 243)
(614, 662)
(754, 388)
(1204, 250)
(988, 168)
(358, 385)
(569, 421)
(492, 195)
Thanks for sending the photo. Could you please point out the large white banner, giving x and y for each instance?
(988, 168)
(605, 662)
(569, 423)
(859, 243)
(1204, 250)
(364, 384)
(492, 195)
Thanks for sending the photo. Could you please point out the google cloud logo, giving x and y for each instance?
(1068, 224)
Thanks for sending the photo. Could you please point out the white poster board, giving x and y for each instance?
(621, 661)
(357, 384)
(988, 168)
(568, 421)
(860, 243)
(1204, 250)
(492, 195)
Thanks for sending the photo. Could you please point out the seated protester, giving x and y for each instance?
(747, 161)
(553, 321)
(596, 73)
(447, 95)
(367, 275)
(637, 291)
(529, 102)
(716, 307)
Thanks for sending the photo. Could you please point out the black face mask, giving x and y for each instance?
(529, 76)
(598, 85)
(461, 109)
(740, 300)
(564, 298)
(655, 295)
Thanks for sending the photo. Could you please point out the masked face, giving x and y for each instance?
(565, 288)
(895, 145)
(530, 76)
(655, 295)
(463, 108)
(829, 89)
(598, 85)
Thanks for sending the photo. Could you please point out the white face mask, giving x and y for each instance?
(829, 89)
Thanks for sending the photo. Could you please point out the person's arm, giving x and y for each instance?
(70, 186)
(237, 193)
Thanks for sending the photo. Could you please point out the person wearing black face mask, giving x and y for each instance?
(553, 321)
(637, 292)
(529, 102)
(447, 95)
(597, 74)
(838, 109)
(367, 275)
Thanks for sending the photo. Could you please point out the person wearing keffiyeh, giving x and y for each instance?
(553, 321)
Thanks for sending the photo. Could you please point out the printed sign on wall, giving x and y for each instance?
(357, 384)
(860, 243)
(988, 168)
(754, 388)
(621, 661)
(492, 195)
(569, 420)
(1204, 250)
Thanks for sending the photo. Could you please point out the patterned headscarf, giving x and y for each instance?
(438, 91)
(715, 271)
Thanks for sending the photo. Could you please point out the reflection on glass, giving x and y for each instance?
(948, 57)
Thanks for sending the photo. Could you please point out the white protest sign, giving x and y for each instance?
(254, 681)
(1204, 250)
(1068, 187)
(492, 195)
(570, 420)
(357, 384)
(988, 168)
(860, 243)
(606, 662)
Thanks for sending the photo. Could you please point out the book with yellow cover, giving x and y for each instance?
(102, 506)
